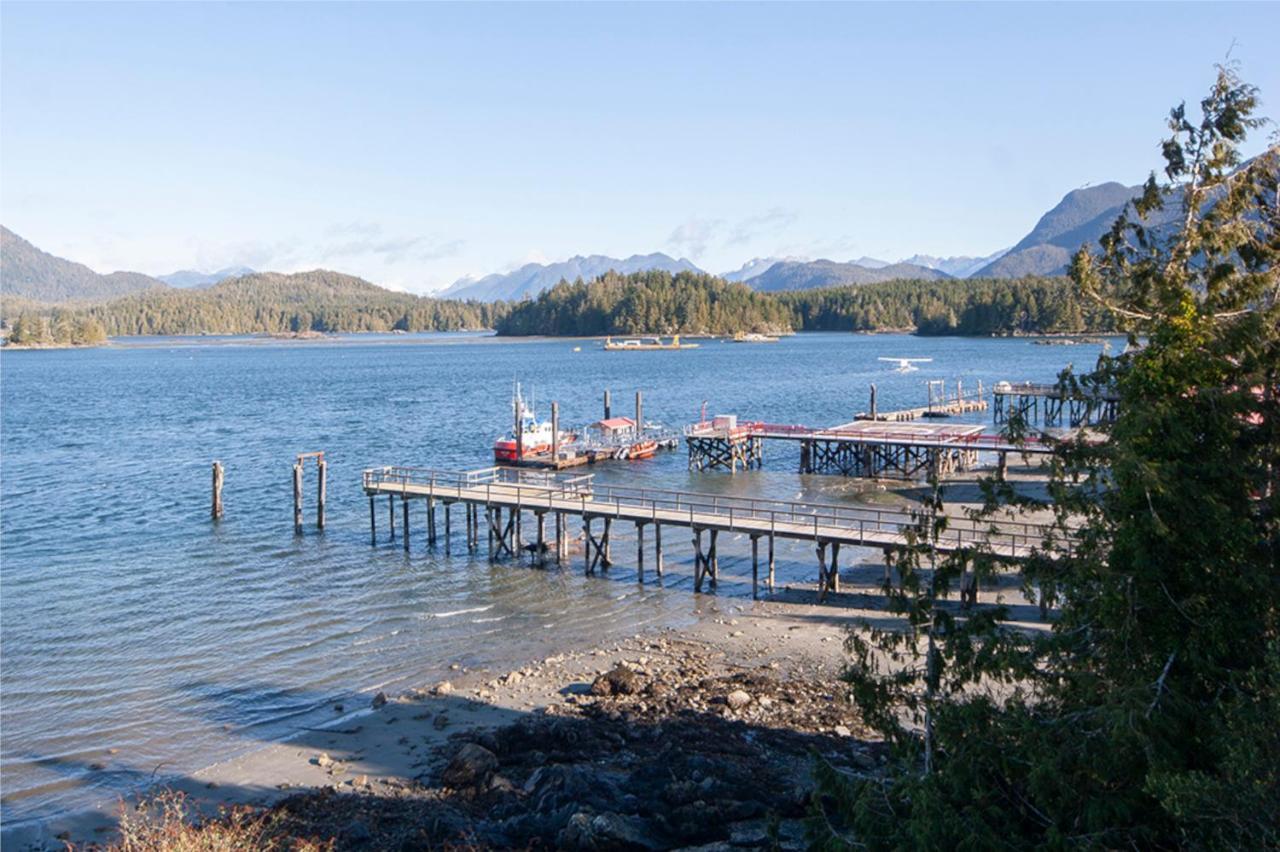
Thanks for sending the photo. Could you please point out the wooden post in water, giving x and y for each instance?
(639, 544)
(391, 516)
(770, 563)
(447, 507)
(639, 415)
(297, 498)
(657, 548)
(755, 565)
(873, 403)
(606, 562)
(607, 406)
(404, 507)
(431, 521)
(555, 437)
(373, 522)
(217, 491)
(321, 469)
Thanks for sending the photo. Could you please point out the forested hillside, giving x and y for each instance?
(272, 302)
(28, 272)
(971, 307)
(690, 303)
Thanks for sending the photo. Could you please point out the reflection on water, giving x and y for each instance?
(138, 635)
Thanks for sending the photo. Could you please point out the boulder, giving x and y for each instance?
(606, 831)
(472, 766)
(379, 700)
(738, 699)
(619, 680)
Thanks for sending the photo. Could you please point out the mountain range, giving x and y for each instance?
(34, 274)
(194, 278)
(1081, 217)
(532, 278)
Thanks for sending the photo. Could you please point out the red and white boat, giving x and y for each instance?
(535, 436)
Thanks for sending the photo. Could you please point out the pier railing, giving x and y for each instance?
(965, 439)
(533, 490)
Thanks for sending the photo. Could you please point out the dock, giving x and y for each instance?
(516, 505)
(940, 404)
(866, 448)
(1051, 404)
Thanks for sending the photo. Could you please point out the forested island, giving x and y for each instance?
(658, 302)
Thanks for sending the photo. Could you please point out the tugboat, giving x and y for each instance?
(535, 436)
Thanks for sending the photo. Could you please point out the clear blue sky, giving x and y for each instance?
(412, 144)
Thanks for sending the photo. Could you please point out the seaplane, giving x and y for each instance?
(906, 365)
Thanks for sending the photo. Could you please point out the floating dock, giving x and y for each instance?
(516, 503)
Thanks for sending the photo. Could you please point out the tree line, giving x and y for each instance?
(657, 302)
(648, 302)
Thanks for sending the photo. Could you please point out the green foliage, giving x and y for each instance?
(1146, 716)
(653, 301)
(274, 303)
(978, 307)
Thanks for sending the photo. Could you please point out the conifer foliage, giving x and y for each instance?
(1146, 715)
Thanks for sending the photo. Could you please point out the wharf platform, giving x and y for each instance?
(509, 497)
(866, 448)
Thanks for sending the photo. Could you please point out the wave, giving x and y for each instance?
(454, 612)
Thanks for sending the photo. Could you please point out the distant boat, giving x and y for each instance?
(753, 337)
(577, 349)
(645, 344)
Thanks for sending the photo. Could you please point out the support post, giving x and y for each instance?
(606, 562)
(216, 509)
(542, 541)
(639, 415)
(873, 403)
(591, 542)
(555, 436)
(404, 508)
(607, 406)
(431, 521)
(321, 486)
(713, 561)
(391, 516)
(297, 498)
(771, 563)
(699, 561)
(639, 551)
(755, 566)
(373, 523)
(447, 525)
(657, 548)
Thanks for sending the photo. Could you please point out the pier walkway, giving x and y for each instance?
(510, 496)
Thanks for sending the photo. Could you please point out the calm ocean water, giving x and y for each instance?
(130, 622)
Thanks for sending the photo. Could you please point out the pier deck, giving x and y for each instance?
(517, 492)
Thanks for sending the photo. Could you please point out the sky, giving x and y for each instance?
(413, 144)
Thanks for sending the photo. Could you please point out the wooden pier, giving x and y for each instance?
(515, 501)
(866, 448)
(1051, 404)
(940, 404)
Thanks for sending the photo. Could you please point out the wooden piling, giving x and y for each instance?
(447, 508)
(431, 521)
(373, 522)
(606, 561)
(607, 407)
(391, 517)
(297, 498)
(770, 563)
(639, 414)
(755, 566)
(657, 548)
(542, 539)
(874, 416)
(640, 551)
(404, 507)
(555, 434)
(217, 491)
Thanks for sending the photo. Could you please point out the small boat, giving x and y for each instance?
(577, 349)
(643, 449)
(753, 337)
(645, 344)
(535, 437)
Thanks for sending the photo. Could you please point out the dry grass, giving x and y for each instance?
(166, 821)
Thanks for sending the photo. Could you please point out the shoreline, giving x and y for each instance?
(399, 739)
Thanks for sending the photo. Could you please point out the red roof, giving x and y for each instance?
(616, 423)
